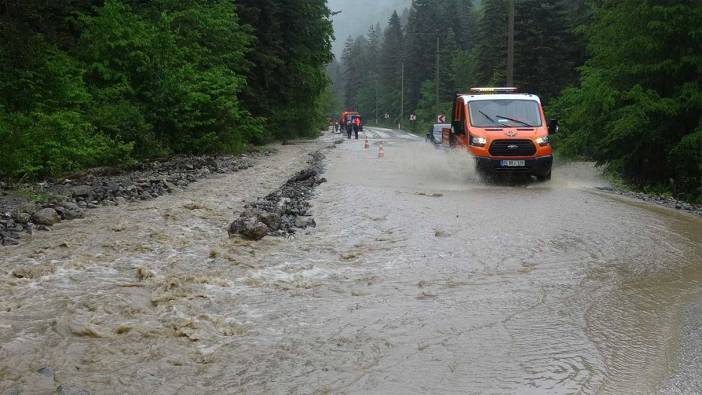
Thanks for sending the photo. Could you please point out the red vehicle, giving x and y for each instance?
(347, 116)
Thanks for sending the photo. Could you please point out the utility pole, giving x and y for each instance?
(437, 69)
(402, 97)
(376, 100)
(510, 44)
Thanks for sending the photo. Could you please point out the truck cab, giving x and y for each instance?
(506, 131)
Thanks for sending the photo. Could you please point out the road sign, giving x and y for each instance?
(413, 118)
(441, 118)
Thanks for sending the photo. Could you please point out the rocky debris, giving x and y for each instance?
(284, 211)
(69, 211)
(21, 217)
(71, 389)
(67, 199)
(46, 372)
(660, 200)
(33, 271)
(250, 228)
(46, 216)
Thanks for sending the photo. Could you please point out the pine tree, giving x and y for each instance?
(354, 70)
(293, 45)
(447, 81)
(424, 27)
(491, 51)
(638, 107)
(369, 89)
(391, 58)
(544, 47)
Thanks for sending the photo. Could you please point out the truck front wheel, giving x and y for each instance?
(544, 177)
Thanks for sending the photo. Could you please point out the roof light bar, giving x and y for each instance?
(494, 90)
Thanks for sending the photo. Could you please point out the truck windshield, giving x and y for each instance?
(505, 112)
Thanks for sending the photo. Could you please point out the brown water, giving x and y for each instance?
(418, 279)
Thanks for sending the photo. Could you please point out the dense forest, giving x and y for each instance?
(105, 82)
(624, 77)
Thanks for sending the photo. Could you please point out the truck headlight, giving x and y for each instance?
(478, 141)
(543, 141)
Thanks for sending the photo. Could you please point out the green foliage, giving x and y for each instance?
(686, 162)
(546, 48)
(176, 76)
(390, 60)
(92, 82)
(43, 126)
(640, 97)
(53, 143)
(491, 51)
(415, 46)
(293, 44)
(428, 109)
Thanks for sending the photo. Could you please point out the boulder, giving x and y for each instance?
(272, 220)
(71, 389)
(82, 191)
(249, 228)
(5, 240)
(70, 210)
(21, 217)
(29, 208)
(46, 216)
(305, 222)
(170, 186)
(304, 175)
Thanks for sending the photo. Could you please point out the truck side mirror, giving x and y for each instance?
(459, 127)
(553, 126)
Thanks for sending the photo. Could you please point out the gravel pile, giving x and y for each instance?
(284, 211)
(657, 199)
(68, 198)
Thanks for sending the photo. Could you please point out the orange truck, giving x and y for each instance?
(506, 131)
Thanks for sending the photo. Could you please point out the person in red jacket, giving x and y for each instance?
(356, 125)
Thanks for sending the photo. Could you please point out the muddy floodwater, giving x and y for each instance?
(417, 279)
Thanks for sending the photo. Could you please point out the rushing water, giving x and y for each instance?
(418, 279)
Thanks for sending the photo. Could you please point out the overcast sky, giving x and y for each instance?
(359, 15)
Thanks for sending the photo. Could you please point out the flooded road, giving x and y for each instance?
(417, 279)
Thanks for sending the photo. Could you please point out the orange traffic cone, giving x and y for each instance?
(381, 151)
(366, 145)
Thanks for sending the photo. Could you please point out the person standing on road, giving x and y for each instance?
(356, 126)
(349, 128)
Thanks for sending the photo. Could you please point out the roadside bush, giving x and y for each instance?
(41, 144)
(203, 108)
(42, 126)
(640, 96)
(168, 79)
(686, 160)
(85, 83)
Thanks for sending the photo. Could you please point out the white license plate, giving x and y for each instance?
(513, 163)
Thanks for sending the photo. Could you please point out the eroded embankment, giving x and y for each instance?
(104, 303)
(284, 210)
(31, 207)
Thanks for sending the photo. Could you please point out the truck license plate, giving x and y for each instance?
(513, 163)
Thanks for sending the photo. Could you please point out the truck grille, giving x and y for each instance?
(512, 148)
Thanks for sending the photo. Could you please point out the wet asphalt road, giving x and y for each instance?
(418, 279)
